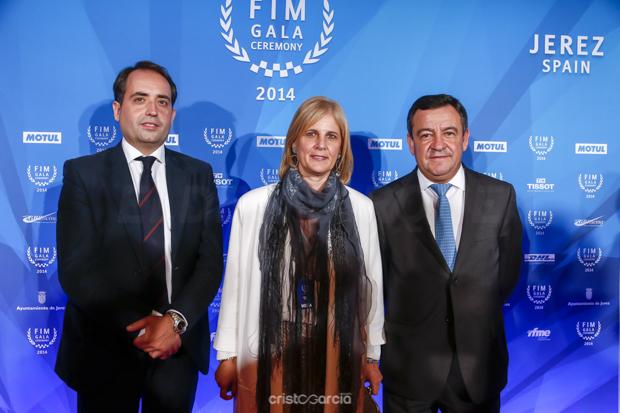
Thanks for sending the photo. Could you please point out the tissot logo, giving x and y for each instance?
(270, 141)
(591, 148)
(382, 144)
(540, 185)
(42, 137)
(221, 180)
(490, 146)
(539, 258)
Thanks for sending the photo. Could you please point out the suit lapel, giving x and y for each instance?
(474, 197)
(123, 193)
(409, 197)
(177, 180)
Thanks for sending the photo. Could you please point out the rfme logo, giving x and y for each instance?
(42, 137)
(538, 334)
(270, 141)
(591, 148)
(172, 140)
(490, 146)
(539, 258)
(382, 144)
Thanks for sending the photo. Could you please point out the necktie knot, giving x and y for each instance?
(441, 189)
(147, 161)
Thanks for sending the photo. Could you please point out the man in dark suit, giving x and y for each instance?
(140, 258)
(451, 249)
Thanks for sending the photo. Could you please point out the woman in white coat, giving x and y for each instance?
(301, 316)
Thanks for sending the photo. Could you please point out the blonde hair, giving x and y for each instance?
(310, 112)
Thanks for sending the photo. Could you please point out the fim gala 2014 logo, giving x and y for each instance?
(589, 257)
(539, 295)
(42, 338)
(226, 214)
(540, 220)
(269, 176)
(102, 136)
(214, 307)
(218, 138)
(282, 36)
(41, 257)
(42, 176)
(590, 184)
(383, 177)
(541, 146)
(496, 175)
(588, 331)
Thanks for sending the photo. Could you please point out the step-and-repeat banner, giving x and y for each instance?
(540, 80)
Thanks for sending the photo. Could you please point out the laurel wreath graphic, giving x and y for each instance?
(541, 152)
(538, 226)
(49, 262)
(539, 301)
(375, 181)
(205, 133)
(590, 190)
(589, 337)
(263, 178)
(101, 144)
(225, 218)
(239, 53)
(42, 346)
(589, 264)
(42, 183)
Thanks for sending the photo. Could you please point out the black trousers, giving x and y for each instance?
(453, 399)
(162, 386)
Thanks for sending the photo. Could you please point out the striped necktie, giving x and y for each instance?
(443, 225)
(152, 235)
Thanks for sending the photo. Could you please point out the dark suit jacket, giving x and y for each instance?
(100, 263)
(430, 310)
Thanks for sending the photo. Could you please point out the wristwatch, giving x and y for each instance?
(178, 323)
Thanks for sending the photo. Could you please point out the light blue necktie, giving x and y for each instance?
(443, 225)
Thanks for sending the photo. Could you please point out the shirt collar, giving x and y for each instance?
(458, 180)
(131, 153)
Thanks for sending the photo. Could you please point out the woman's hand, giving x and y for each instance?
(372, 375)
(226, 378)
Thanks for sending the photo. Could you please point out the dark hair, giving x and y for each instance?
(121, 80)
(434, 102)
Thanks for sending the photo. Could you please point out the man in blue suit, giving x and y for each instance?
(140, 259)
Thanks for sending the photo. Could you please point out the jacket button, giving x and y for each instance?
(455, 280)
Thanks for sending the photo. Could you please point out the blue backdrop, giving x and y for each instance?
(539, 79)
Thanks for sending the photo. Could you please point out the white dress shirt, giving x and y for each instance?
(159, 177)
(456, 199)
